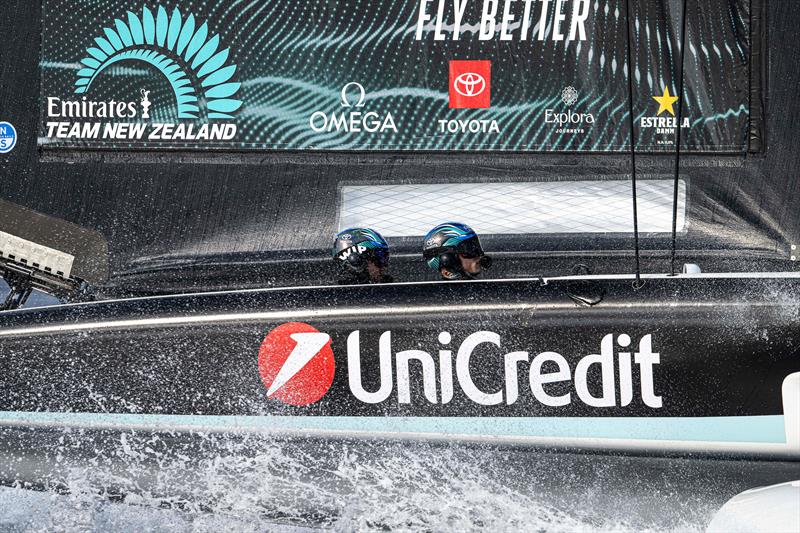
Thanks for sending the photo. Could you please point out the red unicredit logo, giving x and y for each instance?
(296, 363)
(470, 84)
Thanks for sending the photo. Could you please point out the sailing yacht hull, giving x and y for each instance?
(688, 365)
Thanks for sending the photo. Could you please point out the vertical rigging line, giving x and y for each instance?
(678, 145)
(637, 284)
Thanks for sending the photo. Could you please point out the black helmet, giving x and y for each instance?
(444, 243)
(354, 248)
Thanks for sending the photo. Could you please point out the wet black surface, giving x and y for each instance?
(376, 485)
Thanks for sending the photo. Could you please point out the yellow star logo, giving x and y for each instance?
(665, 102)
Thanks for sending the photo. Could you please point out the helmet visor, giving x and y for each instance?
(471, 248)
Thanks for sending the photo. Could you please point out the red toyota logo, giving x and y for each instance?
(296, 363)
(470, 84)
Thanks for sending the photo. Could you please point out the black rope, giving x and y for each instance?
(678, 146)
(637, 284)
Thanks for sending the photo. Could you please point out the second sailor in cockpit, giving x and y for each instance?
(453, 249)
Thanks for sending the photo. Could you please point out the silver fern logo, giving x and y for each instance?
(182, 49)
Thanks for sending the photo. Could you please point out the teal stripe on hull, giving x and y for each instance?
(734, 429)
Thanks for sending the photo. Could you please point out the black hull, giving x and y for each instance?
(710, 380)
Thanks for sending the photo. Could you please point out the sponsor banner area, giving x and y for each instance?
(532, 75)
(297, 366)
(305, 370)
(482, 385)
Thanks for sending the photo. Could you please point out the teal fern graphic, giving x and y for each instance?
(179, 49)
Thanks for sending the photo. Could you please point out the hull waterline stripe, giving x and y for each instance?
(733, 429)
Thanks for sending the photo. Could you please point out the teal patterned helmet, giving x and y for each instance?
(443, 244)
(353, 247)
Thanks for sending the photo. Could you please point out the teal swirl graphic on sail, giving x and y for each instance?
(179, 49)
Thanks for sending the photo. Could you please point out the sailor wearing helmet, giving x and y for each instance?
(453, 250)
(362, 256)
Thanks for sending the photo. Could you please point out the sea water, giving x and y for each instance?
(158, 481)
